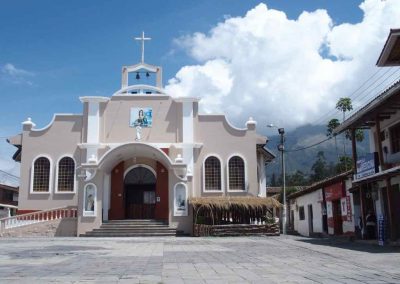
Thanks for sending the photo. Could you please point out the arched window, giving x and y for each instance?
(236, 173)
(212, 174)
(66, 175)
(41, 175)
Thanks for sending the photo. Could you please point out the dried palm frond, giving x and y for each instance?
(227, 203)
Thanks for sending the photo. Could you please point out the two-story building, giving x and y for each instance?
(376, 183)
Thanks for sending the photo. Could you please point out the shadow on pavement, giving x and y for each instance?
(361, 246)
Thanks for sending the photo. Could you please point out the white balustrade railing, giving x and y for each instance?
(37, 217)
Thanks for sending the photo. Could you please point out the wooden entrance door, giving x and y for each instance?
(140, 193)
(140, 201)
(310, 220)
(337, 217)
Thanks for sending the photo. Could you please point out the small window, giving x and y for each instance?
(212, 174)
(236, 173)
(41, 175)
(395, 138)
(301, 213)
(66, 175)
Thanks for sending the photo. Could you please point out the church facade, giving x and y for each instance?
(138, 154)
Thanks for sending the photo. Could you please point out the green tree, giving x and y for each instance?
(319, 168)
(298, 178)
(332, 124)
(359, 134)
(344, 164)
(344, 105)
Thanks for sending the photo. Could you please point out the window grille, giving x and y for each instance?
(236, 173)
(212, 174)
(41, 175)
(66, 175)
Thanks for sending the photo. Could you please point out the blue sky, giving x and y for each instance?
(65, 49)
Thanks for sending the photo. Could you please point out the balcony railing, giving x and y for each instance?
(37, 217)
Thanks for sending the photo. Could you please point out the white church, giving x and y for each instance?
(139, 154)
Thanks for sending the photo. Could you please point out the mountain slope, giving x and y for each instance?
(303, 160)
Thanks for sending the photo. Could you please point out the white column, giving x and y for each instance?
(261, 174)
(93, 125)
(188, 139)
(106, 195)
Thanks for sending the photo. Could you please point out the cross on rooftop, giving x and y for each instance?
(142, 38)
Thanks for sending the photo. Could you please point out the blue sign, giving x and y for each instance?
(381, 230)
(367, 165)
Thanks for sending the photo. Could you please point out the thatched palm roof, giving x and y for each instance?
(225, 202)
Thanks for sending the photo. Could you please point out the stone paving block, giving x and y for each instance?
(283, 259)
(173, 280)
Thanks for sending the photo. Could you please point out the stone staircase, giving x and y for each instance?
(132, 228)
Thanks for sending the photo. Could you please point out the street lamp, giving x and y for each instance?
(281, 148)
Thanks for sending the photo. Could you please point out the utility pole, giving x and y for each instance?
(281, 148)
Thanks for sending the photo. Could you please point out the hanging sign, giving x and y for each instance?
(367, 165)
(348, 203)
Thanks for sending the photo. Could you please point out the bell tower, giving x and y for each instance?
(142, 68)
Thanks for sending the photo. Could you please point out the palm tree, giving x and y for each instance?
(344, 104)
(332, 124)
(359, 134)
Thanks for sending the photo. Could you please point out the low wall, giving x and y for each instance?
(65, 227)
(201, 230)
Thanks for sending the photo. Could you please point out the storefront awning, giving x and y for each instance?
(378, 176)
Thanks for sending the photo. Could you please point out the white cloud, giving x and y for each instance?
(15, 75)
(279, 70)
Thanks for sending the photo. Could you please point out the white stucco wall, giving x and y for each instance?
(302, 226)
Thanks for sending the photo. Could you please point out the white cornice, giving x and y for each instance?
(94, 99)
(187, 99)
(157, 145)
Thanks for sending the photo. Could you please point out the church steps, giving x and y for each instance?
(131, 235)
(134, 222)
(132, 228)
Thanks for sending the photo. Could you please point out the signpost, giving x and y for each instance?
(381, 230)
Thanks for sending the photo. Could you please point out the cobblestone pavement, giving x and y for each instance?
(283, 259)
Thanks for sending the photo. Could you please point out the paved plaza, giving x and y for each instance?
(196, 260)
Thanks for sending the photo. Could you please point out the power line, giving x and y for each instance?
(361, 105)
(307, 147)
(11, 175)
(368, 99)
(364, 88)
(331, 112)
(370, 83)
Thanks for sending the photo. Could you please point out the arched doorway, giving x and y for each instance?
(140, 193)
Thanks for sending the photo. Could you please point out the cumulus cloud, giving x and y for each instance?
(15, 75)
(280, 70)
